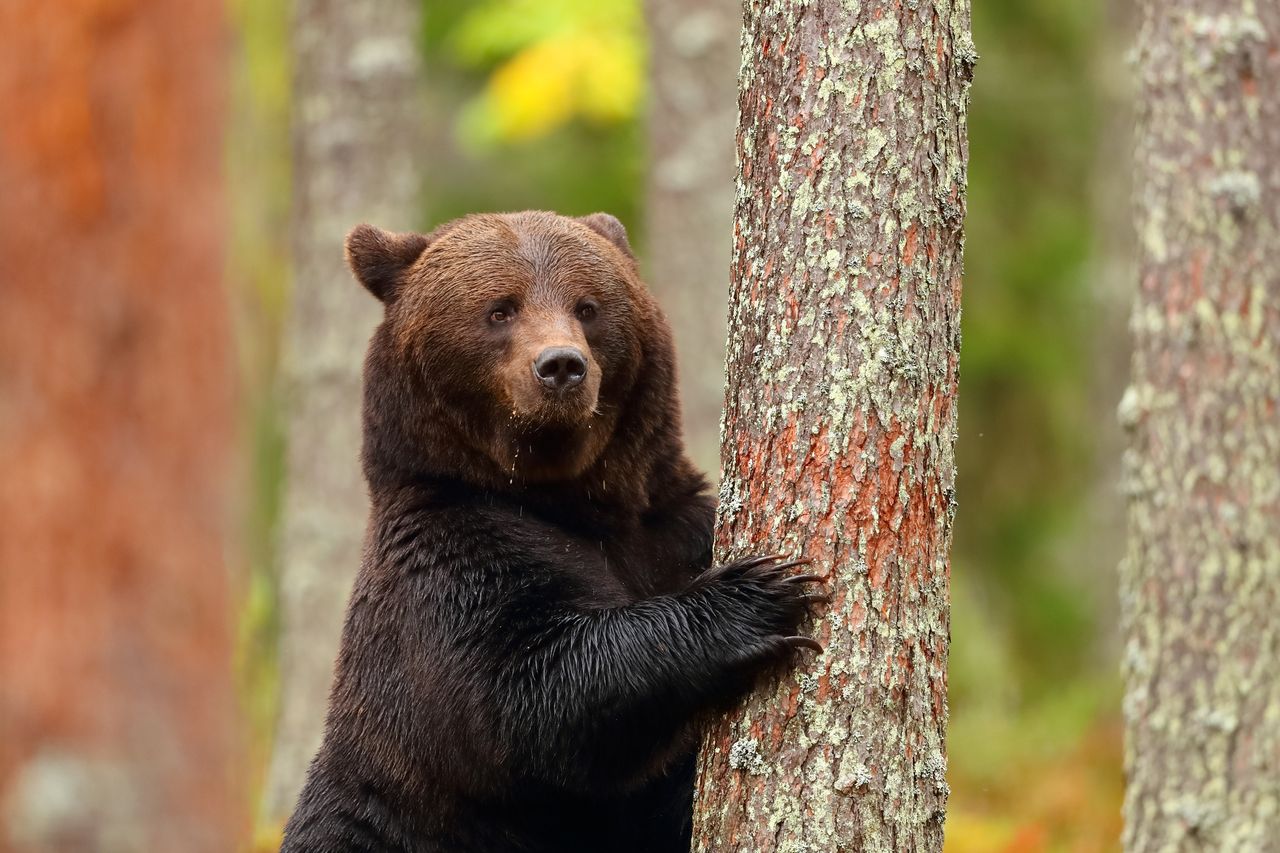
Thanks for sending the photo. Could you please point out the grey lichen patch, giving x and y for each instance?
(1189, 815)
(1152, 234)
(745, 755)
(854, 778)
(1224, 720)
(1134, 404)
(1227, 37)
(1241, 188)
(887, 35)
(934, 769)
(376, 56)
(966, 52)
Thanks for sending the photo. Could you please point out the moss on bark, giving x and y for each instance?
(1200, 585)
(840, 417)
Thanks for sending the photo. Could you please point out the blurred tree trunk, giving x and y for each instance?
(841, 416)
(118, 713)
(356, 128)
(693, 64)
(1099, 536)
(1200, 586)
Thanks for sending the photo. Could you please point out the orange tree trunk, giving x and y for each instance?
(1200, 585)
(117, 708)
(840, 416)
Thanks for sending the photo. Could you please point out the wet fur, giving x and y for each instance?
(526, 653)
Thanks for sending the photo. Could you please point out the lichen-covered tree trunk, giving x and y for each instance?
(840, 417)
(356, 127)
(118, 724)
(693, 64)
(1200, 586)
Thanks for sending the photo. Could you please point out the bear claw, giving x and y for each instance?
(791, 564)
(804, 643)
(753, 562)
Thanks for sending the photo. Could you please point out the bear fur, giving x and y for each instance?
(535, 631)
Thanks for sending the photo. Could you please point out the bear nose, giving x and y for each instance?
(560, 368)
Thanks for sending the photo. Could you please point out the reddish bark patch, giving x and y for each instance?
(909, 249)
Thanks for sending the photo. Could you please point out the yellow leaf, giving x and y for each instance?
(533, 92)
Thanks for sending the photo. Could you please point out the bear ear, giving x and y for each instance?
(610, 228)
(378, 258)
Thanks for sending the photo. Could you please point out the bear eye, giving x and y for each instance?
(501, 314)
(586, 311)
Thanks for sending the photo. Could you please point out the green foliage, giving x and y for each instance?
(542, 100)
(258, 180)
(549, 62)
(1027, 424)
(1033, 747)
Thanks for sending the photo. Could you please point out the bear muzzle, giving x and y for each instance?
(560, 369)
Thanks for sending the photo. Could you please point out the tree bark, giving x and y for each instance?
(840, 416)
(693, 63)
(1200, 585)
(357, 124)
(118, 716)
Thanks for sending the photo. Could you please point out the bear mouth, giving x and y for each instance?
(536, 408)
(554, 414)
(550, 451)
(553, 437)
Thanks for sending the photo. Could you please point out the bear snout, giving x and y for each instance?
(560, 368)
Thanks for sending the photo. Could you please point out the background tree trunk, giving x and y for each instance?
(357, 123)
(117, 712)
(1200, 586)
(693, 65)
(840, 416)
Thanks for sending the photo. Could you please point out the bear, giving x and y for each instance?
(536, 632)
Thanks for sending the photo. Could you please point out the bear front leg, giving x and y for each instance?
(594, 696)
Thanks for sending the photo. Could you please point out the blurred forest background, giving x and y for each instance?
(581, 105)
(543, 105)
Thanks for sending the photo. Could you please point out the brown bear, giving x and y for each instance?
(535, 630)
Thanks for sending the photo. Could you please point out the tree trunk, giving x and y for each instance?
(841, 415)
(1200, 586)
(1099, 535)
(117, 711)
(693, 64)
(356, 128)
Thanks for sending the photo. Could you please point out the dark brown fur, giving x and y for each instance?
(534, 628)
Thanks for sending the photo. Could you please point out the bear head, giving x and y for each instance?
(516, 350)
